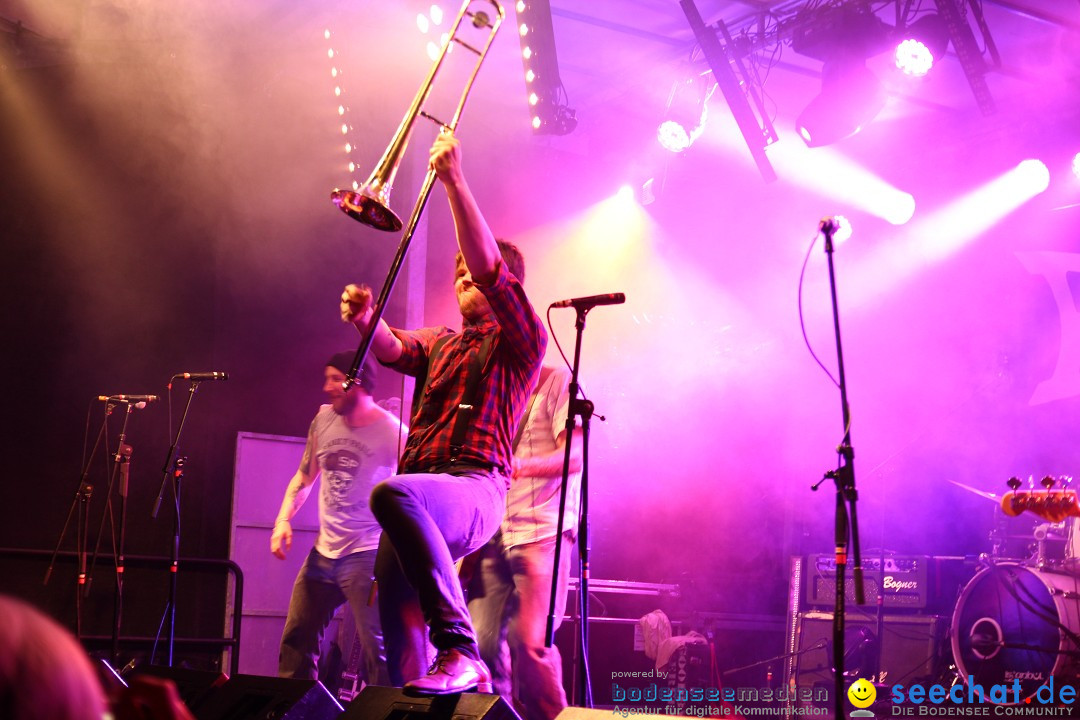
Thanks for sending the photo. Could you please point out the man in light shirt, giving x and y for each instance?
(352, 445)
(510, 592)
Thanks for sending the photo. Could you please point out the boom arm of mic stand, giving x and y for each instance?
(167, 468)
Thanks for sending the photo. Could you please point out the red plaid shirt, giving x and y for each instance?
(503, 390)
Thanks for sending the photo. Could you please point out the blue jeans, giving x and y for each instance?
(508, 599)
(429, 520)
(321, 586)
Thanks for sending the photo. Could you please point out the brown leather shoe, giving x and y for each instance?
(452, 672)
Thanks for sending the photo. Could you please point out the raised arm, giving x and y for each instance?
(474, 237)
(356, 308)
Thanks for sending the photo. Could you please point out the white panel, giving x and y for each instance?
(264, 466)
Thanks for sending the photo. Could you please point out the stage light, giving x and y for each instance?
(842, 37)
(686, 113)
(1032, 177)
(900, 208)
(549, 110)
(843, 230)
(924, 42)
(1076, 166)
(673, 136)
(851, 96)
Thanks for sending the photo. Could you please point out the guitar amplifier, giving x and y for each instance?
(911, 648)
(904, 582)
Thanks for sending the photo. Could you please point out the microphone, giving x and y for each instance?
(138, 402)
(128, 398)
(585, 303)
(202, 376)
(829, 224)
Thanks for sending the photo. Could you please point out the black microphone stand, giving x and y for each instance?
(119, 466)
(80, 508)
(174, 468)
(123, 461)
(844, 478)
(584, 408)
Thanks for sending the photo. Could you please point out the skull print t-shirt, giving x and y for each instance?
(352, 461)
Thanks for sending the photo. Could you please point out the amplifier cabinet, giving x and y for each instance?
(904, 583)
(911, 648)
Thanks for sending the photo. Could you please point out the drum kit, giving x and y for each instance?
(1018, 618)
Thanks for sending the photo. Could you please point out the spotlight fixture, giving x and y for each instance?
(921, 45)
(851, 96)
(546, 96)
(842, 231)
(842, 37)
(687, 111)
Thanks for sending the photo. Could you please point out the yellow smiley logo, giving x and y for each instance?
(862, 693)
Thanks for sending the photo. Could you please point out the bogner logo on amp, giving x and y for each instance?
(891, 583)
(903, 582)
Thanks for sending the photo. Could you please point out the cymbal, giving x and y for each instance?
(980, 493)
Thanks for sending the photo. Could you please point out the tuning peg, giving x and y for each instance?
(1048, 482)
(1014, 483)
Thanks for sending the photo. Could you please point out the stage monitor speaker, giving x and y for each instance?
(909, 653)
(194, 686)
(383, 703)
(256, 697)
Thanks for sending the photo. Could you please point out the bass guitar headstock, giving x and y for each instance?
(1053, 505)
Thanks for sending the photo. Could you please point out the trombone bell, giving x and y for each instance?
(369, 209)
(371, 203)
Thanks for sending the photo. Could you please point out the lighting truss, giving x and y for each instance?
(967, 50)
(815, 28)
(548, 106)
(738, 90)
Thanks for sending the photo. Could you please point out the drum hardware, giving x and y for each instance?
(1014, 622)
(986, 637)
(1054, 544)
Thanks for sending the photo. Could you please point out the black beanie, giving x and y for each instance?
(343, 361)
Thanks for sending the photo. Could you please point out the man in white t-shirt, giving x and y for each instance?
(511, 588)
(353, 445)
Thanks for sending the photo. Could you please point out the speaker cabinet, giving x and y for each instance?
(910, 648)
(256, 697)
(195, 687)
(383, 703)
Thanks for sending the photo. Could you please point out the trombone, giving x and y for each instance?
(370, 204)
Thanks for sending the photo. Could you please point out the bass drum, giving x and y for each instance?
(1012, 623)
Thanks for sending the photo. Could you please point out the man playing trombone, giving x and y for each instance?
(450, 495)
